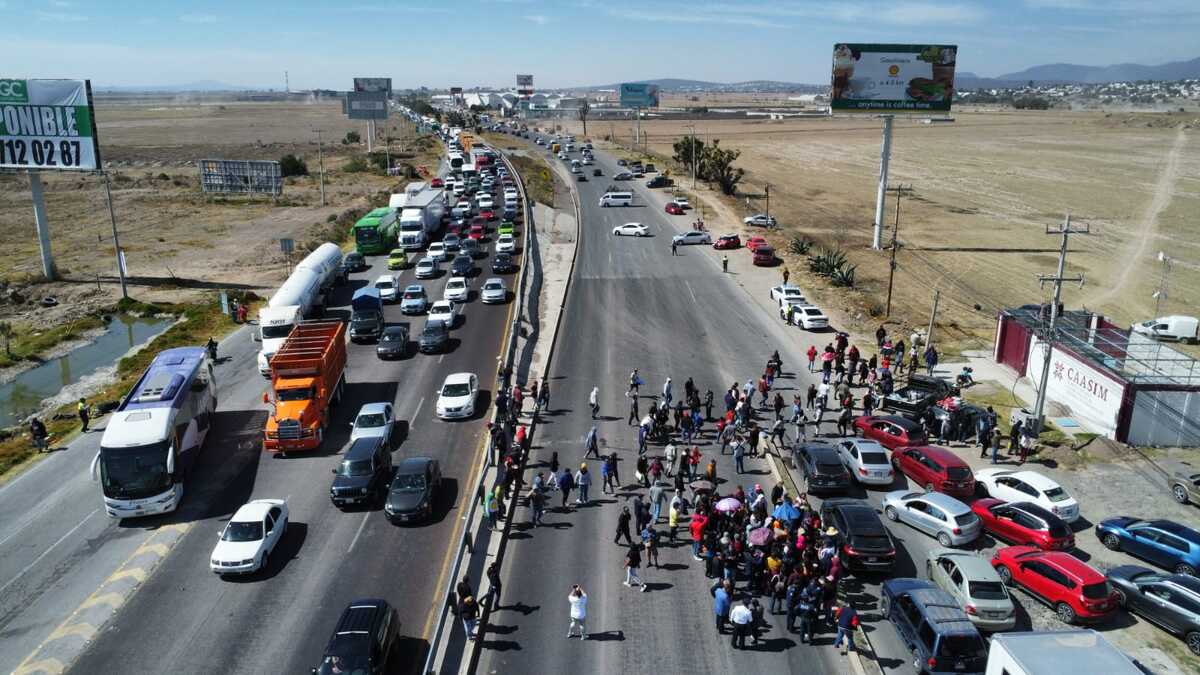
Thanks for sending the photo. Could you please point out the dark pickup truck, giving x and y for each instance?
(915, 398)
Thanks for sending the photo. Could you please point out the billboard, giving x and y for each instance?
(892, 77)
(237, 176)
(383, 84)
(48, 125)
(525, 85)
(455, 91)
(639, 95)
(367, 105)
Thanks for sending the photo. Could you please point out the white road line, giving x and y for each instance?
(441, 358)
(47, 551)
(360, 530)
(413, 421)
(689, 286)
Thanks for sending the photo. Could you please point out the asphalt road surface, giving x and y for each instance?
(186, 619)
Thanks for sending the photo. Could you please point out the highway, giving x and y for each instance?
(184, 618)
(633, 304)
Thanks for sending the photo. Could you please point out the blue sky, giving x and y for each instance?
(562, 42)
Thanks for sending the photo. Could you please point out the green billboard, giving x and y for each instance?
(47, 125)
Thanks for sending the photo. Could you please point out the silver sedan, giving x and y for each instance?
(938, 515)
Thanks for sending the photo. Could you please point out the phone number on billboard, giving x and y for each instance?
(40, 153)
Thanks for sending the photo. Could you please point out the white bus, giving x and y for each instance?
(617, 199)
(155, 435)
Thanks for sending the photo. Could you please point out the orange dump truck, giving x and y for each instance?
(308, 374)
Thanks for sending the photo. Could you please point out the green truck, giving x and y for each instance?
(375, 233)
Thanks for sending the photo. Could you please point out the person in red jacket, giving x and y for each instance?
(812, 357)
(699, 521)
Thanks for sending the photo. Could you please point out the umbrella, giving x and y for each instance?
(786, 512)
(827, 356)
(702, 486)
(729, 504)
(761, 536)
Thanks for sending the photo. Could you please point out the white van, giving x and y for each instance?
(1181, 328)
(617, 199)
(1055, 653)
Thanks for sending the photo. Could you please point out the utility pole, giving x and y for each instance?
(1161, 293)
(112, 215)
(693, 154)
(900, 190)
(937, 295)
(884, 155)
(767, 192)
(1066, 230)
(321, 162)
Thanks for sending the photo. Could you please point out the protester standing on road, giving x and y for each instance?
(591, 444)
(739, 454)
(722, 601)
(674, 244)
(544, 395)
(725, 263)
(635, 382)
(583, 480)
(666, 391)
(468, 611)
(623, 526)
(658, 495)
(931, 360)
(594, 401)
(708, 404)
(633, 407)
(565, 484)
(84, 413)
(633, 560)
(39, 435)
(492, 598)
(741, 617)
(577, 601)
(847, 622)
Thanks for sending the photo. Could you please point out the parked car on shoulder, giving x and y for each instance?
(787, 292)
(822, 468)
(1028, 486)
(1024, 523)
(867, 461)
(764, 256)
(1185, 487)
(760, 220)
(692, 237)
(728, 241)
(753, 243)
(674, 209)
(865, 544)
(930, 623)
(1170, 600)
(1163, 542)
(935, 469)
(891, 431)
(809, 317)
(1074, 589)
(941, 516)
(973, 583)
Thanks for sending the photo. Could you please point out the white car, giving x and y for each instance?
(373, 420)
(456, 398)
(506, 243)
(809, 317)
(623, 175)
(1028, 486)
(493, 291)
(249, 537)
(444, 311)
(587, 160)
(414, 300)
(437, 251)
(485, 201)
(693, 237)
(682, 202)
(867, 461)
(631, 230)
(787, 292)
(457, 289)
(760, 220)
(510, 193)
(428, 268)
(387, 287)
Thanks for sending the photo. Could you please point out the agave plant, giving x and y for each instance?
(843, 277)
(799, 245)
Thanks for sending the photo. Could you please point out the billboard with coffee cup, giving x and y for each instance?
(874, 77)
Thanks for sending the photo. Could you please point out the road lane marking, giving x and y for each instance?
(82, 629)
(412, 423)
(52, 666)
(136, 573)
(113, 600)
(689, 287)
(360, 531)
(47, 551)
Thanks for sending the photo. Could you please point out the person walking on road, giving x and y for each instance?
(84, 412)
(583, 480)
(847, 622)
(931, 360)
(658, 495)
(591, 444)
(623, 526)
(468, 611)
(633, 561)
(725, 264)
(741, 617)
(608, 472)
(544, 395)
(594, 401)
(537, 500)
(739, 454)
(565, 484)
(666, 392)
(635, 382)
(492, 598)
(722, 601)
(633, 407)
(674, 244)
(577, 601)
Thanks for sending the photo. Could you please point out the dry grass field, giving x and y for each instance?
(984, 189)
(177, 240)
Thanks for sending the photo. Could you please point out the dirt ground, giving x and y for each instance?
(983, 191)
(179, 243)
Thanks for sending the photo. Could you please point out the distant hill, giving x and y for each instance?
(201, 85)
(677, 84)
(1121, 72)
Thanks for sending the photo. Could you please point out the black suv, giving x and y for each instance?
(823, 468)
(933, 626)
(502, 263)
(354, 262)
(864, 542)
(462, 265)
(364, 472)
(413, 490)
(364, 640)
(435, 337)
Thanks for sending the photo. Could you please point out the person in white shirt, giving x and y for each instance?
(578, 602)
(740, 616)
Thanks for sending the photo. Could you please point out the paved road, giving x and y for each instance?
(278, 621)
(633, 304)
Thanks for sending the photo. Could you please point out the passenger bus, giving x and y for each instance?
(375, 233)
(154, 436)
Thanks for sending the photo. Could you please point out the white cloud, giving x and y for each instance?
(60, 17)
(667, 15)
(62, 3)
(198, 18)
(539, 19)
(768, 15)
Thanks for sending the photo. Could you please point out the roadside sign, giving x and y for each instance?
(639, 95)
(892, 77)
(367, 105)
(373, 84)
(524, 85)
(48, 125)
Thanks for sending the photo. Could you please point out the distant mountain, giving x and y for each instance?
(1121, 72)
(677, 84)
(201, 85)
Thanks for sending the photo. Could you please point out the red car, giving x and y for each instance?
(728, 241)
(754, 242)
(674, 209)
(1076, 590)
(476, 232)
(436, 182)
(764, 256)
(455, 227)
(487, 214)
(935, 469)
(1024, 523)
(892, 431)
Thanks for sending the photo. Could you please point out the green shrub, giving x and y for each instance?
(356, 165)
(291, 165)
(352, 137)
(799, 245)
